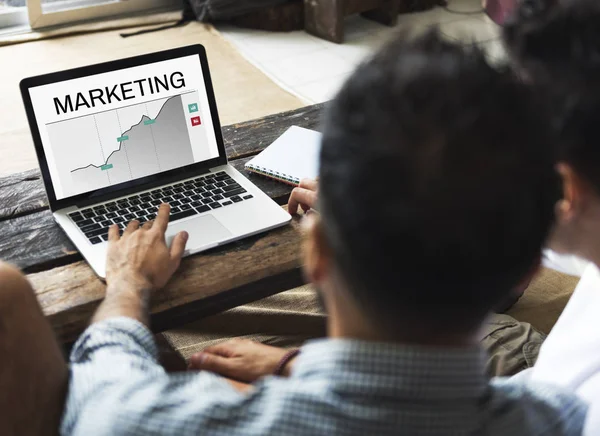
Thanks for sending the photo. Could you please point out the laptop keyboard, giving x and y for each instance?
(188, 198)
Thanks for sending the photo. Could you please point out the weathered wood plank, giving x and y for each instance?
(34, 242)
(24, 192)
(206, 283)
(21, 193)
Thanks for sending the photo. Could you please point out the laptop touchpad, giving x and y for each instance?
(203, 230)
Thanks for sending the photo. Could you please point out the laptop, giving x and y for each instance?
(117, 139)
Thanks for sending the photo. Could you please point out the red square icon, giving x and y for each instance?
(196, 121)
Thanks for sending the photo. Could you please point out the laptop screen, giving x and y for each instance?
(119, 126)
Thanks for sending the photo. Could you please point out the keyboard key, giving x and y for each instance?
(97, 232)
(111, 204)
(178, 185)
(227, 203)
(230, 181)
(185, 207)
(181, 215)
(186, 200)
(231, 187)
(206, 200)
(175, 209)
(167, 199)
(221, 176)
(236, 199)
(177, 196)
(118, 219)
(196, 203)
(134, 208)
(76, 216)
(202, 209)
(98, 219)
(122, 200)
(111, 208)
(196, 197)
(246, 197)
(206, 195)
(220, 184)
(84, 223)
(105, 237)
(215, 205)
(111, 215)
(95, 240)
(217, 197)
(106, 223)
(218, 191)
(145, 205)
(134, 202)
(88, 213)
(175, 203)
(210, 187)
(90, 228)
(234, 192)
(129, 216)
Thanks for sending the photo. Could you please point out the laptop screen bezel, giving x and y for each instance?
(133, 186)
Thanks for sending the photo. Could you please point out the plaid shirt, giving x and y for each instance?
(341, 387)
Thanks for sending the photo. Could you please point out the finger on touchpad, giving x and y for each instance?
(203, 230)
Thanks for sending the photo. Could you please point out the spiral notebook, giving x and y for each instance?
(292, 157)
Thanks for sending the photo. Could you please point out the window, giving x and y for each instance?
(12, 13)
(47, 13)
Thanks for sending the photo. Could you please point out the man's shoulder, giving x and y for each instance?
(555, 410)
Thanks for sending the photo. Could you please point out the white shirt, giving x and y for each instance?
(570, 356)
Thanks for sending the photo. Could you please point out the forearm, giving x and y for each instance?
(130, 299)
(118, 387)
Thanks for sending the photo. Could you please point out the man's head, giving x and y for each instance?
(435, 187)
(558, 47)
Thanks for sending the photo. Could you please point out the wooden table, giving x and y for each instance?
(206, 284)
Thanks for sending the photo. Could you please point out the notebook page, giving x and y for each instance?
(294, 154)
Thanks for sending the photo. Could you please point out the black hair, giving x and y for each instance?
(557, 45)
(434, 184)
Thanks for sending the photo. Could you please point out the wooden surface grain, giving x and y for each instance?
(206, 284)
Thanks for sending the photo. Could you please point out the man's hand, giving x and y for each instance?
(241, 359)
(305, 196)
(138, 263)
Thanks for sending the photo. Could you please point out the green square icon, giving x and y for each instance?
(193, 107)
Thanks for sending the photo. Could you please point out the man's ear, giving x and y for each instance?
(575, 193)
(315, 250)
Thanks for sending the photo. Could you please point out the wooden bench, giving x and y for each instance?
(206, 284)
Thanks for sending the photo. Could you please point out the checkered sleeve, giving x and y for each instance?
(118, 387)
